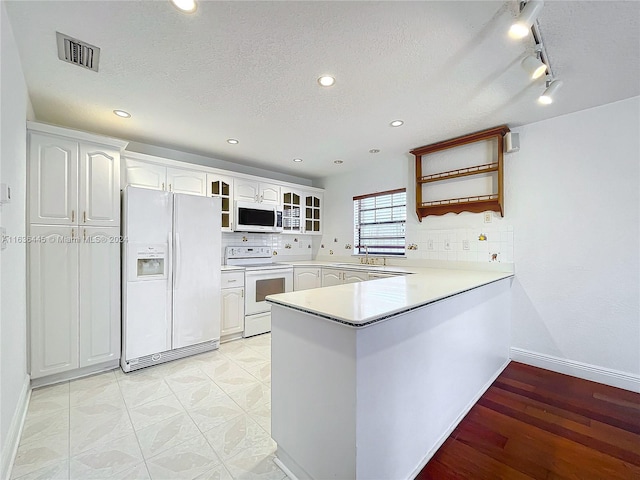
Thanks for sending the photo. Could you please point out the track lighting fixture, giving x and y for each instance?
(534, 66)
(547, 96)
(522, 26)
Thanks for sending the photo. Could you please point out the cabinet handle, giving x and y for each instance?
(84, 234)
(241, 293)
(169, 187)
(256, 198)
(84, 216)
(231, 281)
(73, 216)
(262, 198)
(162, 185)
(73, 233)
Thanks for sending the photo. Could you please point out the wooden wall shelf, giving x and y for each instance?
(476, 204)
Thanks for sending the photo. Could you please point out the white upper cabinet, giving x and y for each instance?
(269, 193)
(187, 181)
(145, 174)
(313, 213)
(292, 221)
(99, 202)
(73, 182)
(246, 190)
(53, 179)
(140, 173)
(222, 186)
(303, 203)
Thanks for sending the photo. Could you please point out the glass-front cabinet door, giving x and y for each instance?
(291, 212)
(312, 214)
(221, 186)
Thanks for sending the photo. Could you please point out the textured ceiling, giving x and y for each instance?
(248, 70)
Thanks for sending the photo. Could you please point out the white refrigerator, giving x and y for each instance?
(171, 276)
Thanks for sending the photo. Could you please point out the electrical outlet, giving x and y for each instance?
(465, 244)
(447, 244)
(430, 244)
(488, 216)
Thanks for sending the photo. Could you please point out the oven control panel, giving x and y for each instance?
(248, 252)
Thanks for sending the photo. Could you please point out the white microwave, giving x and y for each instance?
(257, 217)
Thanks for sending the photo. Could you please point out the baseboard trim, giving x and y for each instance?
(455, 423)
(594, 373)
(10, 446)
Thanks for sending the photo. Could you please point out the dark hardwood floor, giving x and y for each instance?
(533, 423)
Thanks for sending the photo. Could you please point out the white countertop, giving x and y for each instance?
(226, 268)
(364, 303)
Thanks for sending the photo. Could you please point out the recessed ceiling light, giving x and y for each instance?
(122, 113)
(396, 123)
(374, 150)
(186, 6)
(297, 160)
(232, 141)
(338, 162)
(326, 80)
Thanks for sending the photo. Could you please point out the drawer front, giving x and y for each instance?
(232, 279)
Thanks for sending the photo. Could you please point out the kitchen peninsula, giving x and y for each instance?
(370, 378)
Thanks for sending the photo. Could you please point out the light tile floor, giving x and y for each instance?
(202, 417)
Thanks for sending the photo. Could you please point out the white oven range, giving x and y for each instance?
(262, 277)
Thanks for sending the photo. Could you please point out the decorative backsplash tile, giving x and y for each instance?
(463, 244)
(289, 248)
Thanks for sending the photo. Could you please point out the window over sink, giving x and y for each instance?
(379, 221)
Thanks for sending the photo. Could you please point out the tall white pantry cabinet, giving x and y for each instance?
(74, 252)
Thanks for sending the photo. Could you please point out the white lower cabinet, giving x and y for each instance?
(305, 278)
(232, 324)
(331, 276)
(354, 276)
(336, 276)
(74, 278)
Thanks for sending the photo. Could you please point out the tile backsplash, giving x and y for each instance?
(485, 244)
(287, 247)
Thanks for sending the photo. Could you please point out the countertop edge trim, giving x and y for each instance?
(386, 316)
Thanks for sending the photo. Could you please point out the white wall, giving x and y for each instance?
(571, 225)
(15, 106)
(573, 196)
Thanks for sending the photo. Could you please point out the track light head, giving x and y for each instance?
(522, 26)
(534, 66)
(547, 96)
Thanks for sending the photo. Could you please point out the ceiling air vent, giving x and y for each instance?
(77, 52)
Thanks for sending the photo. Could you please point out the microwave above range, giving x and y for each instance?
(257, 217)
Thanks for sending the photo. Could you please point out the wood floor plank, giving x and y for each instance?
(591, 428)
(465, 461)
(532, 423)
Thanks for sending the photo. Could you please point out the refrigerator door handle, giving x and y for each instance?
(170, 263)
(176, 267)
